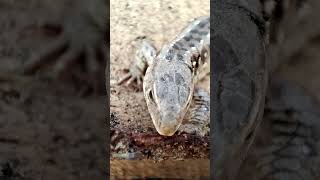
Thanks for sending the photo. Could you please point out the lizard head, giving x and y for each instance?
(168, 89)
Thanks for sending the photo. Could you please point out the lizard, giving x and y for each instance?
(290, 120)
(168, 78)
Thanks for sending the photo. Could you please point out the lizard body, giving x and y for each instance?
(170, 77)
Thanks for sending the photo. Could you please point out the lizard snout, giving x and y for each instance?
(168, 124)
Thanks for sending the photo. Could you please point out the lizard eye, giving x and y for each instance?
(151, 96)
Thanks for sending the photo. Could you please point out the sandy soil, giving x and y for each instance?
(159, 22)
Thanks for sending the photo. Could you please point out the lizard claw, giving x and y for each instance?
(125, 78)
(133, 78)
(194, 129)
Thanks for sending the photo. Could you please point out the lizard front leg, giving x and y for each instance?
(143, 58)
(198, 117)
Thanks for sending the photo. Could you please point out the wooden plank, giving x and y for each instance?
(167, 169)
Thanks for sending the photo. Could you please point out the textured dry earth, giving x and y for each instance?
(158, 21)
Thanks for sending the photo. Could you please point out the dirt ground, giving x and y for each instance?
(159, 22)
(48, 129)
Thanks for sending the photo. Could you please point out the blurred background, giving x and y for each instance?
(282, 150)
(52, 89)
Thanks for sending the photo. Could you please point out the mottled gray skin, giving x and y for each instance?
(169, 81)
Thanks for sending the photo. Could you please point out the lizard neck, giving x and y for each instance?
(191, 46)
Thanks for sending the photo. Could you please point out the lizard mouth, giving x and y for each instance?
(166, 132)
(167, 127)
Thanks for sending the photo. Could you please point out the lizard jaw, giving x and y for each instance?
(167, 130)
(168, 123)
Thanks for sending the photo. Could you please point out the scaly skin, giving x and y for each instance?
(170, 77)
